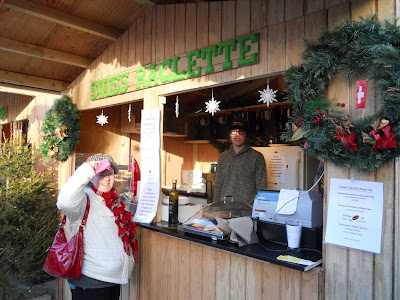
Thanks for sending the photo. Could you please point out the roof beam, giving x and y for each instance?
(44, 53)
(28, 91)
(56, 16)
(32, 81)
(147, 3)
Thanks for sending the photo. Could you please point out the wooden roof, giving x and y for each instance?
(47, 44)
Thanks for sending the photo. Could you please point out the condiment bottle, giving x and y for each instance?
(173, 205)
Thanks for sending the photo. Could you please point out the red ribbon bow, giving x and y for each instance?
(384, 141)
(348, 141)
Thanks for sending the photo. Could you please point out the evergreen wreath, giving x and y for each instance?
(320, 126)
(61, 129)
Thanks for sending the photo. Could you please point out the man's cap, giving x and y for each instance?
(239, 125)
(100, 156)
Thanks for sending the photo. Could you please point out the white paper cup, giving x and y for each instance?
(293, 233)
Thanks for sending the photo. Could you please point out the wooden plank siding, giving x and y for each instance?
(201, 272)
(31, 108)
(206, 273)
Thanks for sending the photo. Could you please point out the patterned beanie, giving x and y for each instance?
(101, 156)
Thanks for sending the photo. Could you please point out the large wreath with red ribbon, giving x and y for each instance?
(320, 125)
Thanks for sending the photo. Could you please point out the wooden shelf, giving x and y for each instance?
(202, 141)
(170, 134)
(256, 107)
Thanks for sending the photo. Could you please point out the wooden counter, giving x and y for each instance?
(175, 266)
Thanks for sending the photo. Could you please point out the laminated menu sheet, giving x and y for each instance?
(149, 187)
(355, 214)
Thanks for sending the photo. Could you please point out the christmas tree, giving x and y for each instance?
(28, 218)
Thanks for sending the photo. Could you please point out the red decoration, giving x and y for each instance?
(134, 168)
(348, 141)
(361, 95)
(384, 141)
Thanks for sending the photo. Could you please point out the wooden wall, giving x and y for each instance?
(105, 139)
(168, 30)
(171, 268)
(32, 108)
(353, 274)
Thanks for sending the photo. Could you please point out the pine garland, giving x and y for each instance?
(61, 129)
(320, 126)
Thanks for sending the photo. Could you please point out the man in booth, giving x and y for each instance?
(241, 170)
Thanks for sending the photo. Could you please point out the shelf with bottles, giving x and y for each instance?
(257, 107)
(203, 141)
(264, 124)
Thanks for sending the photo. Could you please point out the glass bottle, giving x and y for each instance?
(173, 205)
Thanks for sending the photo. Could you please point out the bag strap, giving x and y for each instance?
(83, 223)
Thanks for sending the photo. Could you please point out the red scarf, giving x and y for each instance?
(123, 219)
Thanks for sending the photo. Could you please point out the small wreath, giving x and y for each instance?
(320, 126)
(61, 129)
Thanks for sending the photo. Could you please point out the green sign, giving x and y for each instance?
(109, 87)
(234, 53)
(3, 112)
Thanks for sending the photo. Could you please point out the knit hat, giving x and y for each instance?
(239, 125)
(100, 156)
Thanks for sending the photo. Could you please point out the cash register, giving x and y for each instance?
(271, 219)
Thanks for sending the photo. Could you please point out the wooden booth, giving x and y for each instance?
(173, 53)
(22, 111)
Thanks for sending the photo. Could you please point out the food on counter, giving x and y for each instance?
(198, 226)
(209, 228)
(211, 215)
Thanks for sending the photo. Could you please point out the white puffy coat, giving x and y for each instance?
(104, 257)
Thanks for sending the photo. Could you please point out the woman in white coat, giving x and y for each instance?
(110, 248)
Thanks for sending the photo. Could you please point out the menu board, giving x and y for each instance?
(149, 186)
(355, 213)
(150, 128)
(149, 195)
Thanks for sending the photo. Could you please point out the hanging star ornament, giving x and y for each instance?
(129, 113)
(177, 107)
(102, 119)
(267, 96)
(203, 122)
(212, 106)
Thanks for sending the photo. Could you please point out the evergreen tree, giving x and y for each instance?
(28, 217)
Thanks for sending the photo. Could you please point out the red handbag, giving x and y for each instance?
(64, 258)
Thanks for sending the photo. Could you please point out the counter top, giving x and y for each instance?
(265, 250)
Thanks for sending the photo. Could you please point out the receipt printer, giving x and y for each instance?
(308, 211)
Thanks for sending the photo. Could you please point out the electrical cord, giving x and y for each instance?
(273, 217)
(297, 197)
(280, 250)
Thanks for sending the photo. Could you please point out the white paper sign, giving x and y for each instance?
(192, 177)
(287, 202)
(150, 128)
(276, 167)
(355, 212)
(149, 186)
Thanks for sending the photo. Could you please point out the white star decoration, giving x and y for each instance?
(102, 119)
(129, 113)
(212, 106)
(177, 106)
(267, 96)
